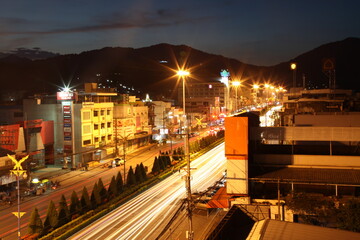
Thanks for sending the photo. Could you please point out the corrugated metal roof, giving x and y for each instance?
(219, 200)
(280, 230)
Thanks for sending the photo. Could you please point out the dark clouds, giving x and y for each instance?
(259, 32)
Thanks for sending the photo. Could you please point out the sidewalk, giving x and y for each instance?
(53, 171)
(49, 172)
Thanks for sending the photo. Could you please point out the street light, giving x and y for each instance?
(124, 141)
(18, 171)
(182, 74)
(293, 68)
(256, 89)
(236, 84)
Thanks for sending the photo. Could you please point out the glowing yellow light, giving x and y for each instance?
(255, 86)
(293, 66)
(182, 73)
(236, 83)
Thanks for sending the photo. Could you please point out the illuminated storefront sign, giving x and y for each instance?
(65, 96)
(67, 129)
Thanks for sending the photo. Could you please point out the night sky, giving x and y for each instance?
(257, 32)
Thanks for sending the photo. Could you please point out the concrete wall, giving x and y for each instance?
(308, 160)
(348, 120)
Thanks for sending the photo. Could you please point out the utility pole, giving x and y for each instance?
(116, 138)
(278, 193)
(190, 234)
(124, 152)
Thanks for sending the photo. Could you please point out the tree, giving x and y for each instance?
(95, 197)
(143, 172)
(64, 213)
(102, 191)
(51, 220)
(175, 155)
(181, 153)
(156, 167)
(164, 161)
(119, 183)
(348, 216)
(311, 209)
(112, 190)
(138, 175)
(35, 225)
(74, 205)
(161, 163)
(85, 202)
(168, 160)
(131, 177)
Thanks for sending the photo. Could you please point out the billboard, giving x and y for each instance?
(67, 126)
(65, 96)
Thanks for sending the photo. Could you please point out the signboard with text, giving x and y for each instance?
(65, 96)
(67, 126)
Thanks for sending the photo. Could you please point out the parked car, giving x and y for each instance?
(119, 161)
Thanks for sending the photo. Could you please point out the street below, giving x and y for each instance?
(145, 216)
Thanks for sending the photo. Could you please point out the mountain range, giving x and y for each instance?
(148, 69)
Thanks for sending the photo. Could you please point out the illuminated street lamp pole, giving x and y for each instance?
(124, 141)
(256, 89)
(293, 68)
(18, 171)
(182, 74)
(236, 84)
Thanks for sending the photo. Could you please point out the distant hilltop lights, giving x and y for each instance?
(120, 87)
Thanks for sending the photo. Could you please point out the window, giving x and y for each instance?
(96, 139)
(96, 126)
(102, 125)
(86, 115)
(109, 124)
(86, 129)
(109, 137)
(103, 138)
(86, 142)
(96, 113)
(108, 112)
(102, 112)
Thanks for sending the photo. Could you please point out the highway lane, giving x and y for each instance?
(144, 216)
(73, 181)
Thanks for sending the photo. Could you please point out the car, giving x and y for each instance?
(119, 161)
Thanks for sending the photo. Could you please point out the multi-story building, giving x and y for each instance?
(83, 126)
(33, 138)
(131, 126)
(205, 98)
(333, 102)
(316, 152)
(11, 114)
(89, 124)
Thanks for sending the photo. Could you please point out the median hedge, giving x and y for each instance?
(81, 221)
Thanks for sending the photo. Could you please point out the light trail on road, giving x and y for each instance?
(144, 216)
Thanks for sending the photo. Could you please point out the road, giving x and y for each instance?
(72, 181)
(145, 216)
